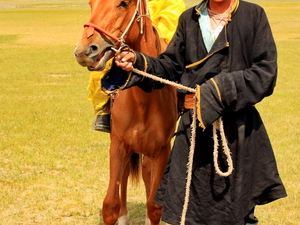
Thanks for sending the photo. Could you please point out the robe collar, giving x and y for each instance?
(221, 42)
(204, 23)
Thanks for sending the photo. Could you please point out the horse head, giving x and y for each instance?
(112, 23)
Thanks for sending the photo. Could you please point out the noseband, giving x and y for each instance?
(92, 27)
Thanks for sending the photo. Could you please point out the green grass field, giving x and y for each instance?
(53, 166)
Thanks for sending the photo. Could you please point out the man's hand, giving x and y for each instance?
(125, 60)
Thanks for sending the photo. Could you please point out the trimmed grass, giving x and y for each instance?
(53, 167)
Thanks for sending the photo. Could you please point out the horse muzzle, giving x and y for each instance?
(93, 56)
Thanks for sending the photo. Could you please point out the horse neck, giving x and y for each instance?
(148, 42)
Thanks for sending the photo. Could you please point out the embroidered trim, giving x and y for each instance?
(127, 81)
(233, 9)
(198, 106)
(217, 88)
(205, 58)
(145, 62)
(145, 65)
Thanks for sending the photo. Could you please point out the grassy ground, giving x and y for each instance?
(53, 167)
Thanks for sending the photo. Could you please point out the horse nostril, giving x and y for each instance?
(94, 48)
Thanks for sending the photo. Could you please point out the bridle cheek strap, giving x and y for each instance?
(92, 27)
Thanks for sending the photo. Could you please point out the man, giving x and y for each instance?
(164, 15)
(227, 48)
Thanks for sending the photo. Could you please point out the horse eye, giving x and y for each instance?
(123, 4)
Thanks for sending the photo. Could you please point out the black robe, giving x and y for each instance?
(245, 72)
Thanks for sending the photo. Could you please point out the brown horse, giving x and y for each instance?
(142, 123)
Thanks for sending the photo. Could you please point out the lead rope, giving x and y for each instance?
(217, 126)
(189, 165)
(164, 81)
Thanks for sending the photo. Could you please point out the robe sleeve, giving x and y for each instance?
(240, 89)
(169, 65)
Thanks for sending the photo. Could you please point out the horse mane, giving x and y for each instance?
(158, 42)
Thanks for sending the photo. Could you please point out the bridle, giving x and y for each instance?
(120, 41)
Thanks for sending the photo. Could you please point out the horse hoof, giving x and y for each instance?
(123, 220)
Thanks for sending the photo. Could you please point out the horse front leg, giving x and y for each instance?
(153, 170)
(123, 214)
(112, 202)
(146, 174)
